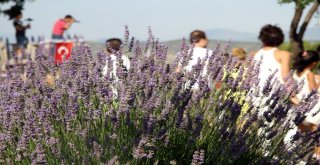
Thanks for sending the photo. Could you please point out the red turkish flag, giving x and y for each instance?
(63, 51)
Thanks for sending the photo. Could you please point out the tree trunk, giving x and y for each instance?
(295, 41)
(296, 46)
(308, 18)
(296, 37)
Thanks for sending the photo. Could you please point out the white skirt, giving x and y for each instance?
(313, 116)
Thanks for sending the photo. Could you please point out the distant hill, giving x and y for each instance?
(175, 45)
(226, 35)
(312, 34)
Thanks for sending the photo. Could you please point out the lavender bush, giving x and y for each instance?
(151, 114)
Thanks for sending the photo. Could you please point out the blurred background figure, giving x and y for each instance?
(304, 63)
(113, 47)
(200, 41)
(22, 40)
(61, 26)
(272, 59)
(240, 53)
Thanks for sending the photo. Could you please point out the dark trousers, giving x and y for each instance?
(22, 41)
(57, 37)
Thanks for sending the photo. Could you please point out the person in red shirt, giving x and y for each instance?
(62, 25)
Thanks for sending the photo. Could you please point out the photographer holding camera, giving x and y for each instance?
(61, 26)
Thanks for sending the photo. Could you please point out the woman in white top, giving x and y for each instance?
(304, 63)
(200, 51)
(272, 59)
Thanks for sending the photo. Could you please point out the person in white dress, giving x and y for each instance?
(199, 51)
(304, 63)
(114, 45)
(200, 48)
(272, 59)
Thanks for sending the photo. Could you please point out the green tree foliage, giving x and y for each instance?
(17, 6)
(299, 25)
(300, 3)
(307, 46)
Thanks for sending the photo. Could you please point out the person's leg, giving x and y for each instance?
(26, 42)
(20, 46)
(22, 42)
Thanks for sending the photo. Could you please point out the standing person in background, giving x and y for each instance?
(241, 54)
(200, 50)
(22, 40)
(113, 45)
(61, 26)
(271, 57)
(304, 63)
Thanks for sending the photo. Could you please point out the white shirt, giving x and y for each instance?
(198, 53)
(126, 63)
(113, 58)
(305, 89)
(269, 65)
(304, 92)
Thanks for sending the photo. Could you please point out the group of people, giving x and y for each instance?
(271, 57)
(272, 60)
(275, 60)
(60, 26)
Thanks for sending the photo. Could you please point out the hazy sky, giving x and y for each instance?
(169, 19)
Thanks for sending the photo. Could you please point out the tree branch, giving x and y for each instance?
(308, 18)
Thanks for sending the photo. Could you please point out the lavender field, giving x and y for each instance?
(149, 113)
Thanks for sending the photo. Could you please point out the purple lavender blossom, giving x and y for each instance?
(126, 35)
(198, 157)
